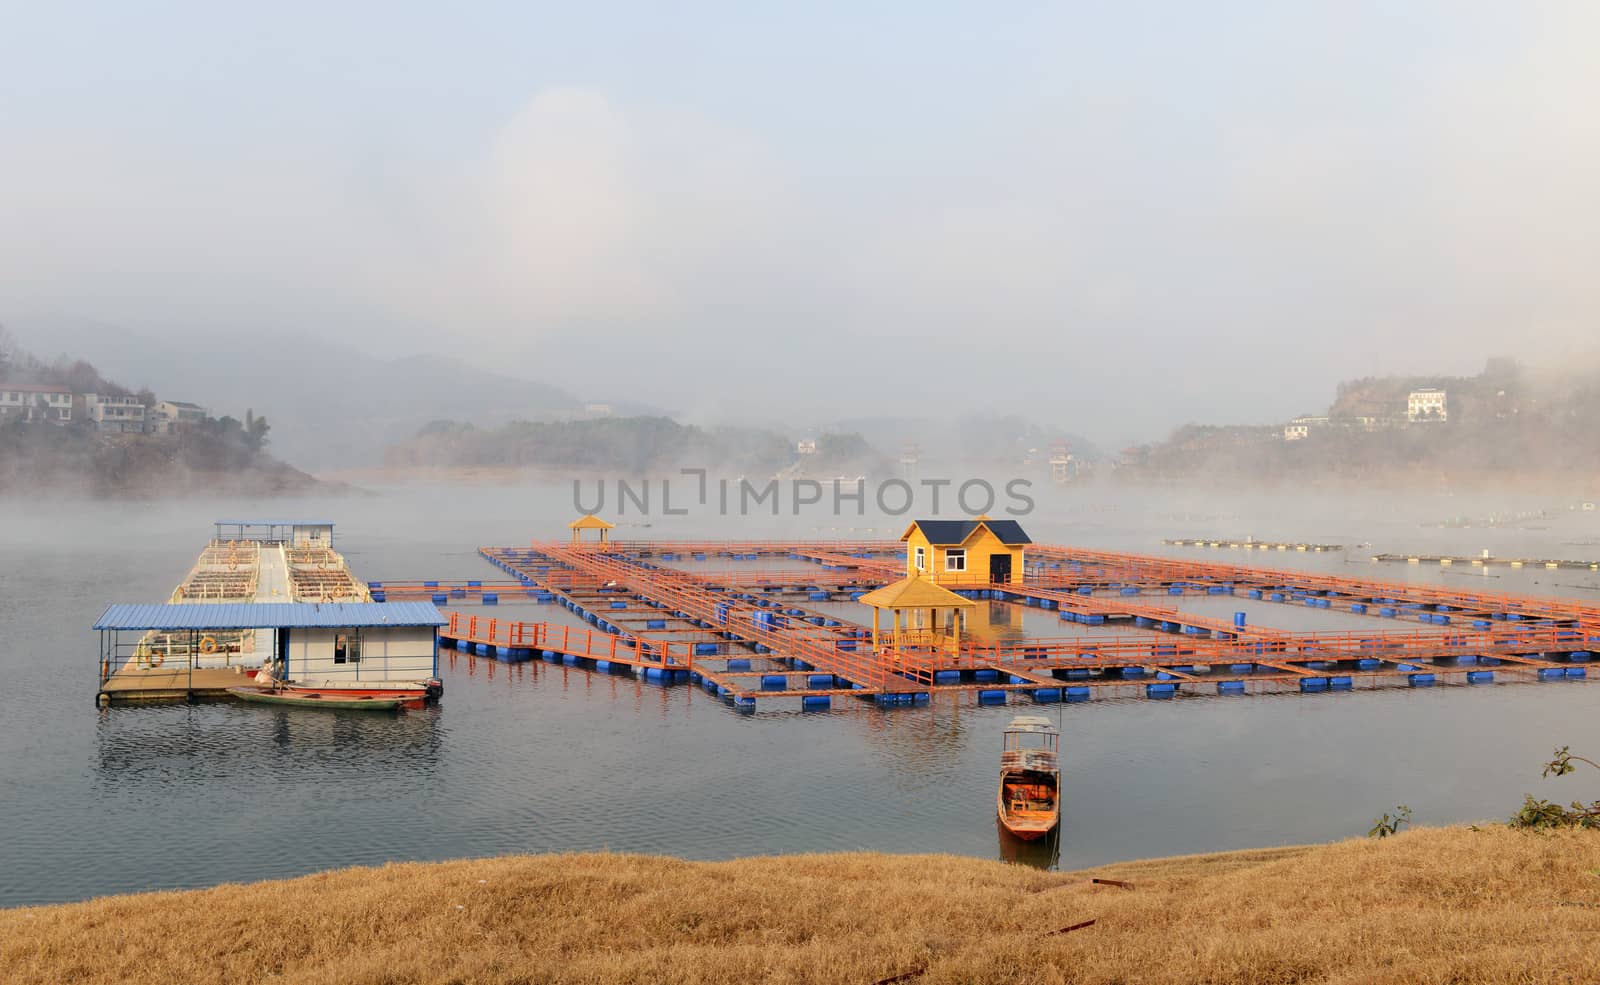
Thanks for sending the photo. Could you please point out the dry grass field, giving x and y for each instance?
(1430, 905)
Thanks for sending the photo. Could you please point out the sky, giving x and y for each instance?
(1113, 218)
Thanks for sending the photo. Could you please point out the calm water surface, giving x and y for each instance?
(535, 758)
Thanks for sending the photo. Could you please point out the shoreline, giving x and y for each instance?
(1463, 904)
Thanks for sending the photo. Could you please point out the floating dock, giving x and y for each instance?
(683, 613)
(1250, 544)
(788, 624)
(1447, 560)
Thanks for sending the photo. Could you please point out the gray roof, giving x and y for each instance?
(269, 615)
(275, 523)
(944, 532)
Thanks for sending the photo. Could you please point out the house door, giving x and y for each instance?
(1000, 568)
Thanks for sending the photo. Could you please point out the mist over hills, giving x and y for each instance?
(332, 405)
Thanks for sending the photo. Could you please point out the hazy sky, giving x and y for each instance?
(1114, 216)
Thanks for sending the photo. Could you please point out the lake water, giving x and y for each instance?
(540, 758)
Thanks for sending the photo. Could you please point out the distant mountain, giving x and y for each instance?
(331, 405)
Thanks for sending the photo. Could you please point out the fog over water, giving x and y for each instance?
(535, 758)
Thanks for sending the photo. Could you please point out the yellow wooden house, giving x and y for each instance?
(967, 553)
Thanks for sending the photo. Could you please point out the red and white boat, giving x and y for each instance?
(410, 694)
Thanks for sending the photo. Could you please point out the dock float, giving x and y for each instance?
(1250, 544)
(1487, 561)
(755, 642)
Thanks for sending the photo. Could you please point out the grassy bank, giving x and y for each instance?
(1431, 905)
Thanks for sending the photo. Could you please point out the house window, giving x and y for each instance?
(347, 648)
(921, 558)
(955, 559)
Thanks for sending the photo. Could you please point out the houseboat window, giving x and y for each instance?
(1030, 740)
(921, 557)
(955, 560)
(347, 648)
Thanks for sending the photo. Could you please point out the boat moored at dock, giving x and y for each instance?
(1029, 798)
(316, 698)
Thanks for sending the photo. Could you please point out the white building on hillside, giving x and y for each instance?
(36, 402)
(169, 413)
(1300, 427)
(119, 414)
(1427, 404)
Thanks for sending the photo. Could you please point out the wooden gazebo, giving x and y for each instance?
(922, 615)
(590, 522)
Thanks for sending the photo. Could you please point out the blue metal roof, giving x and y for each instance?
(269, 615)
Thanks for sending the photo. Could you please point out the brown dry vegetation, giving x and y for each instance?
(1431, 905)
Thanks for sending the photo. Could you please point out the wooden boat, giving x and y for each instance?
(1029, 800)
(311, 698)
(415, 693)
(411, 694)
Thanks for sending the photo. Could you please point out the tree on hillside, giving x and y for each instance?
(80, 375)
(255, 430)
(8, 352)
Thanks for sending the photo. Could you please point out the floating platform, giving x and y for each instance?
(1250, 544)
(133, 685)
(753, 638)
(1447, 560)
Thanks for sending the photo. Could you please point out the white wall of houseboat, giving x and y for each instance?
(388, 653)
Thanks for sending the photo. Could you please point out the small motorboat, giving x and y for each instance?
(1029, 800)
(299, 697)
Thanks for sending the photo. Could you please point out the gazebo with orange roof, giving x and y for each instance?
(590, 522)
(922, 614)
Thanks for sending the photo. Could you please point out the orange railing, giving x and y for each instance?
(576, 640)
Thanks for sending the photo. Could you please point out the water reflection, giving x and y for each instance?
(191, 744)
(1040, 853)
